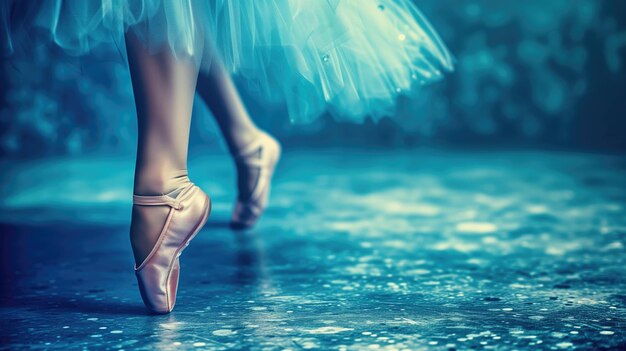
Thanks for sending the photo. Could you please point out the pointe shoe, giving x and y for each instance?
(158, 273)
(263, 154)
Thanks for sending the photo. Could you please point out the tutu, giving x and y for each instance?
(351, 58)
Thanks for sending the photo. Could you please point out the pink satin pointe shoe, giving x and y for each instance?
(262, 155)
(158, 273)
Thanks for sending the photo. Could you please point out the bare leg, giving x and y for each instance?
(218, 91)
(164, 89)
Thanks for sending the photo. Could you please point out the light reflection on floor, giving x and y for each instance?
(389, 251)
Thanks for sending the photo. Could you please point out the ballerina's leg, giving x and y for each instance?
(255, 152)
(164, 88)
(217, 89)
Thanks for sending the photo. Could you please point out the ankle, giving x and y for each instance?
(242, 140)
(159, 182)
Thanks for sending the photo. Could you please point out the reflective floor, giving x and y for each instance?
(376, 251)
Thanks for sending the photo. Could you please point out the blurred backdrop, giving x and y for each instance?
(529, 73)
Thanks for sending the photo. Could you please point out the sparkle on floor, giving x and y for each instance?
(359, 250)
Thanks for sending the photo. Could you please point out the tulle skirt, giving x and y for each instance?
(351, 58)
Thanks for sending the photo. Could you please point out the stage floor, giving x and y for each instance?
(358, 251)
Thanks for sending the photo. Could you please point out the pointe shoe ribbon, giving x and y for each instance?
(156, 200)
(158, 274)
(262, 154)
